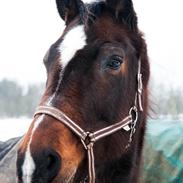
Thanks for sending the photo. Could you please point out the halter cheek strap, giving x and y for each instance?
(140, 86)
(88, 139)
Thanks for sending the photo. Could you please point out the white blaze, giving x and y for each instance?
(73, 41)
(29, 166)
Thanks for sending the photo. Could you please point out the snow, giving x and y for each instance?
(10, 128)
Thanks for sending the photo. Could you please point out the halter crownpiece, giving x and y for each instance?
(88, 139)
(140, 86)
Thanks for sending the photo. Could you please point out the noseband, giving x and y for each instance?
(88, 139)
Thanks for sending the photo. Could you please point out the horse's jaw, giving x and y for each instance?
(68, 177)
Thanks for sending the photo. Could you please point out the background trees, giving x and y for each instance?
(168, 101)
(16, 101)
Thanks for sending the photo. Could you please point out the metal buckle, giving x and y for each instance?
(134, 114)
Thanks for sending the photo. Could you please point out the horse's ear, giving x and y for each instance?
(69, 9)
(124, 11)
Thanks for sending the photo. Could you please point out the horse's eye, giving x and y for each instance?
(114, 62)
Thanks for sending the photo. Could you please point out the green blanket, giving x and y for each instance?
(163, 152)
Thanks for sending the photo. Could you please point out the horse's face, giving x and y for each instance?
(91, 74)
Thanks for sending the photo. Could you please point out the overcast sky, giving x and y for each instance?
(28, 28)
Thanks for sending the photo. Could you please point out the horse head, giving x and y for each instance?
(92, 77)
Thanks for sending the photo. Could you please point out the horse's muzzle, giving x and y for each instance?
(47, 166)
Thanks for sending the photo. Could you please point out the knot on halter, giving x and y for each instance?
(88, 141)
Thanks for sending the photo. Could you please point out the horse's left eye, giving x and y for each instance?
(114, 62)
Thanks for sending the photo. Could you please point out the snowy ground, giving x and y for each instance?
(10, 128)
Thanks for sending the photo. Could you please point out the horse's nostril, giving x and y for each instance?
(48, 165)
(53, 160)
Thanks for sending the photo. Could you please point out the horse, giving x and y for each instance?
(91, 120)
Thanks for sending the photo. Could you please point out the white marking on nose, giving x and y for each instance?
(73, 41)
(29, 166)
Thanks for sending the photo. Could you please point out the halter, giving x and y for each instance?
(88, 139)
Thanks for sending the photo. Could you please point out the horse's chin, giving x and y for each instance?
(70, 178)
(67, 178)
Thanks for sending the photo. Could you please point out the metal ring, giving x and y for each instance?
(133, 111)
